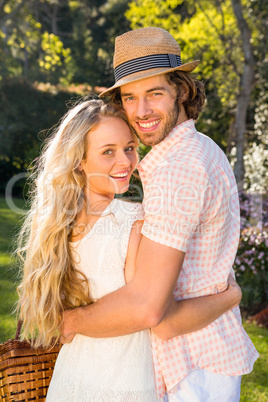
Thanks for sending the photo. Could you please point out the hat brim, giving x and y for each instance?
(187, 67)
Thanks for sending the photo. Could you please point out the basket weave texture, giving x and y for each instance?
(25, 372)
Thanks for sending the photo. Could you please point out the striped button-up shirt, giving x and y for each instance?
(191, 204)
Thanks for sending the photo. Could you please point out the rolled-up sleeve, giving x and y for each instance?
(175, 202)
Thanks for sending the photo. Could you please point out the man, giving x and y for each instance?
(190, 233)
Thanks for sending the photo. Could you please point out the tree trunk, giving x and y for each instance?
(54, 20)
(25, 64)
(245, 88)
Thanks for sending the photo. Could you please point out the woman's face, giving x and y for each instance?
(111, 157)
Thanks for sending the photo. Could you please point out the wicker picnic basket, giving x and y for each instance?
(25, 372)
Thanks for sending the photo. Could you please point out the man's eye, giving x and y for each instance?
(129, 98)
(157, 94)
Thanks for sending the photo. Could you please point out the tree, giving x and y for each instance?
(31, 50)
(202, 31)
(61, 41)
(27, 113)
(95, 25)
(247, 80)
(209, 31)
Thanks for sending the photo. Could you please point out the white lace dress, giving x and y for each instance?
(109, 369)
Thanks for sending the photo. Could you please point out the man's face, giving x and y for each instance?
(151, 107)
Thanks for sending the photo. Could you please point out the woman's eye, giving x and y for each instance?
(108, 152)
(130, 149)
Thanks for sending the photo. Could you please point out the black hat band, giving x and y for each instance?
(146, 63)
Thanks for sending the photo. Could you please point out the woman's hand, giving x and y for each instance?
(234, 288)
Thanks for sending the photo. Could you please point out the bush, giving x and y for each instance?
(27, 113)
(251, 260)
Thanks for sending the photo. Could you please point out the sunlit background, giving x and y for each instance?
(52, 52)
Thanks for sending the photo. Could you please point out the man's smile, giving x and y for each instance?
(152, 124)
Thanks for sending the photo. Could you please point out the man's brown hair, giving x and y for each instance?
(194, 89)
(195, 97)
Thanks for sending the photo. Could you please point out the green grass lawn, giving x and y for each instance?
(254, 385)
(9, 224)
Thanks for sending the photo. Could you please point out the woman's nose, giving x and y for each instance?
(123, 159)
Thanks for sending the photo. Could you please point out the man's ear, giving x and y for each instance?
(184, 93)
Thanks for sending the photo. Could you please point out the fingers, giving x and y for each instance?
(235, 290)
(231, 280)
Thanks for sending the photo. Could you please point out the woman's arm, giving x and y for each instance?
(191, 315)
(186, 315)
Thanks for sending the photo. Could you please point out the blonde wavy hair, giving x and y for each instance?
(50, 282)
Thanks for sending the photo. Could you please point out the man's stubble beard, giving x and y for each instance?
(171, 122)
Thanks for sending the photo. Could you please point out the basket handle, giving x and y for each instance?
(19, 325)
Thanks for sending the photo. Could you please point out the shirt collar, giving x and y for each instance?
(158, 152)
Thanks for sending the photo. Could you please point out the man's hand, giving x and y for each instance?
(67, 334)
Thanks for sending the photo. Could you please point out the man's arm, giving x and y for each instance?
(186, 315)
(140, 304)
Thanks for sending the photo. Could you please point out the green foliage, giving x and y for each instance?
(251, 261)
(157, 13)
(54, 60)
(208, 36)
(25, 115)
(256, 167)
(27, 41)
(252, 275)
(95, 28)
(61, 41)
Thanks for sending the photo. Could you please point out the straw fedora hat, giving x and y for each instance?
(143, 53)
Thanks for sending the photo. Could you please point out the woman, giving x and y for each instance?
(79, 243)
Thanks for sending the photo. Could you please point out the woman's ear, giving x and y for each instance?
(80, 167)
